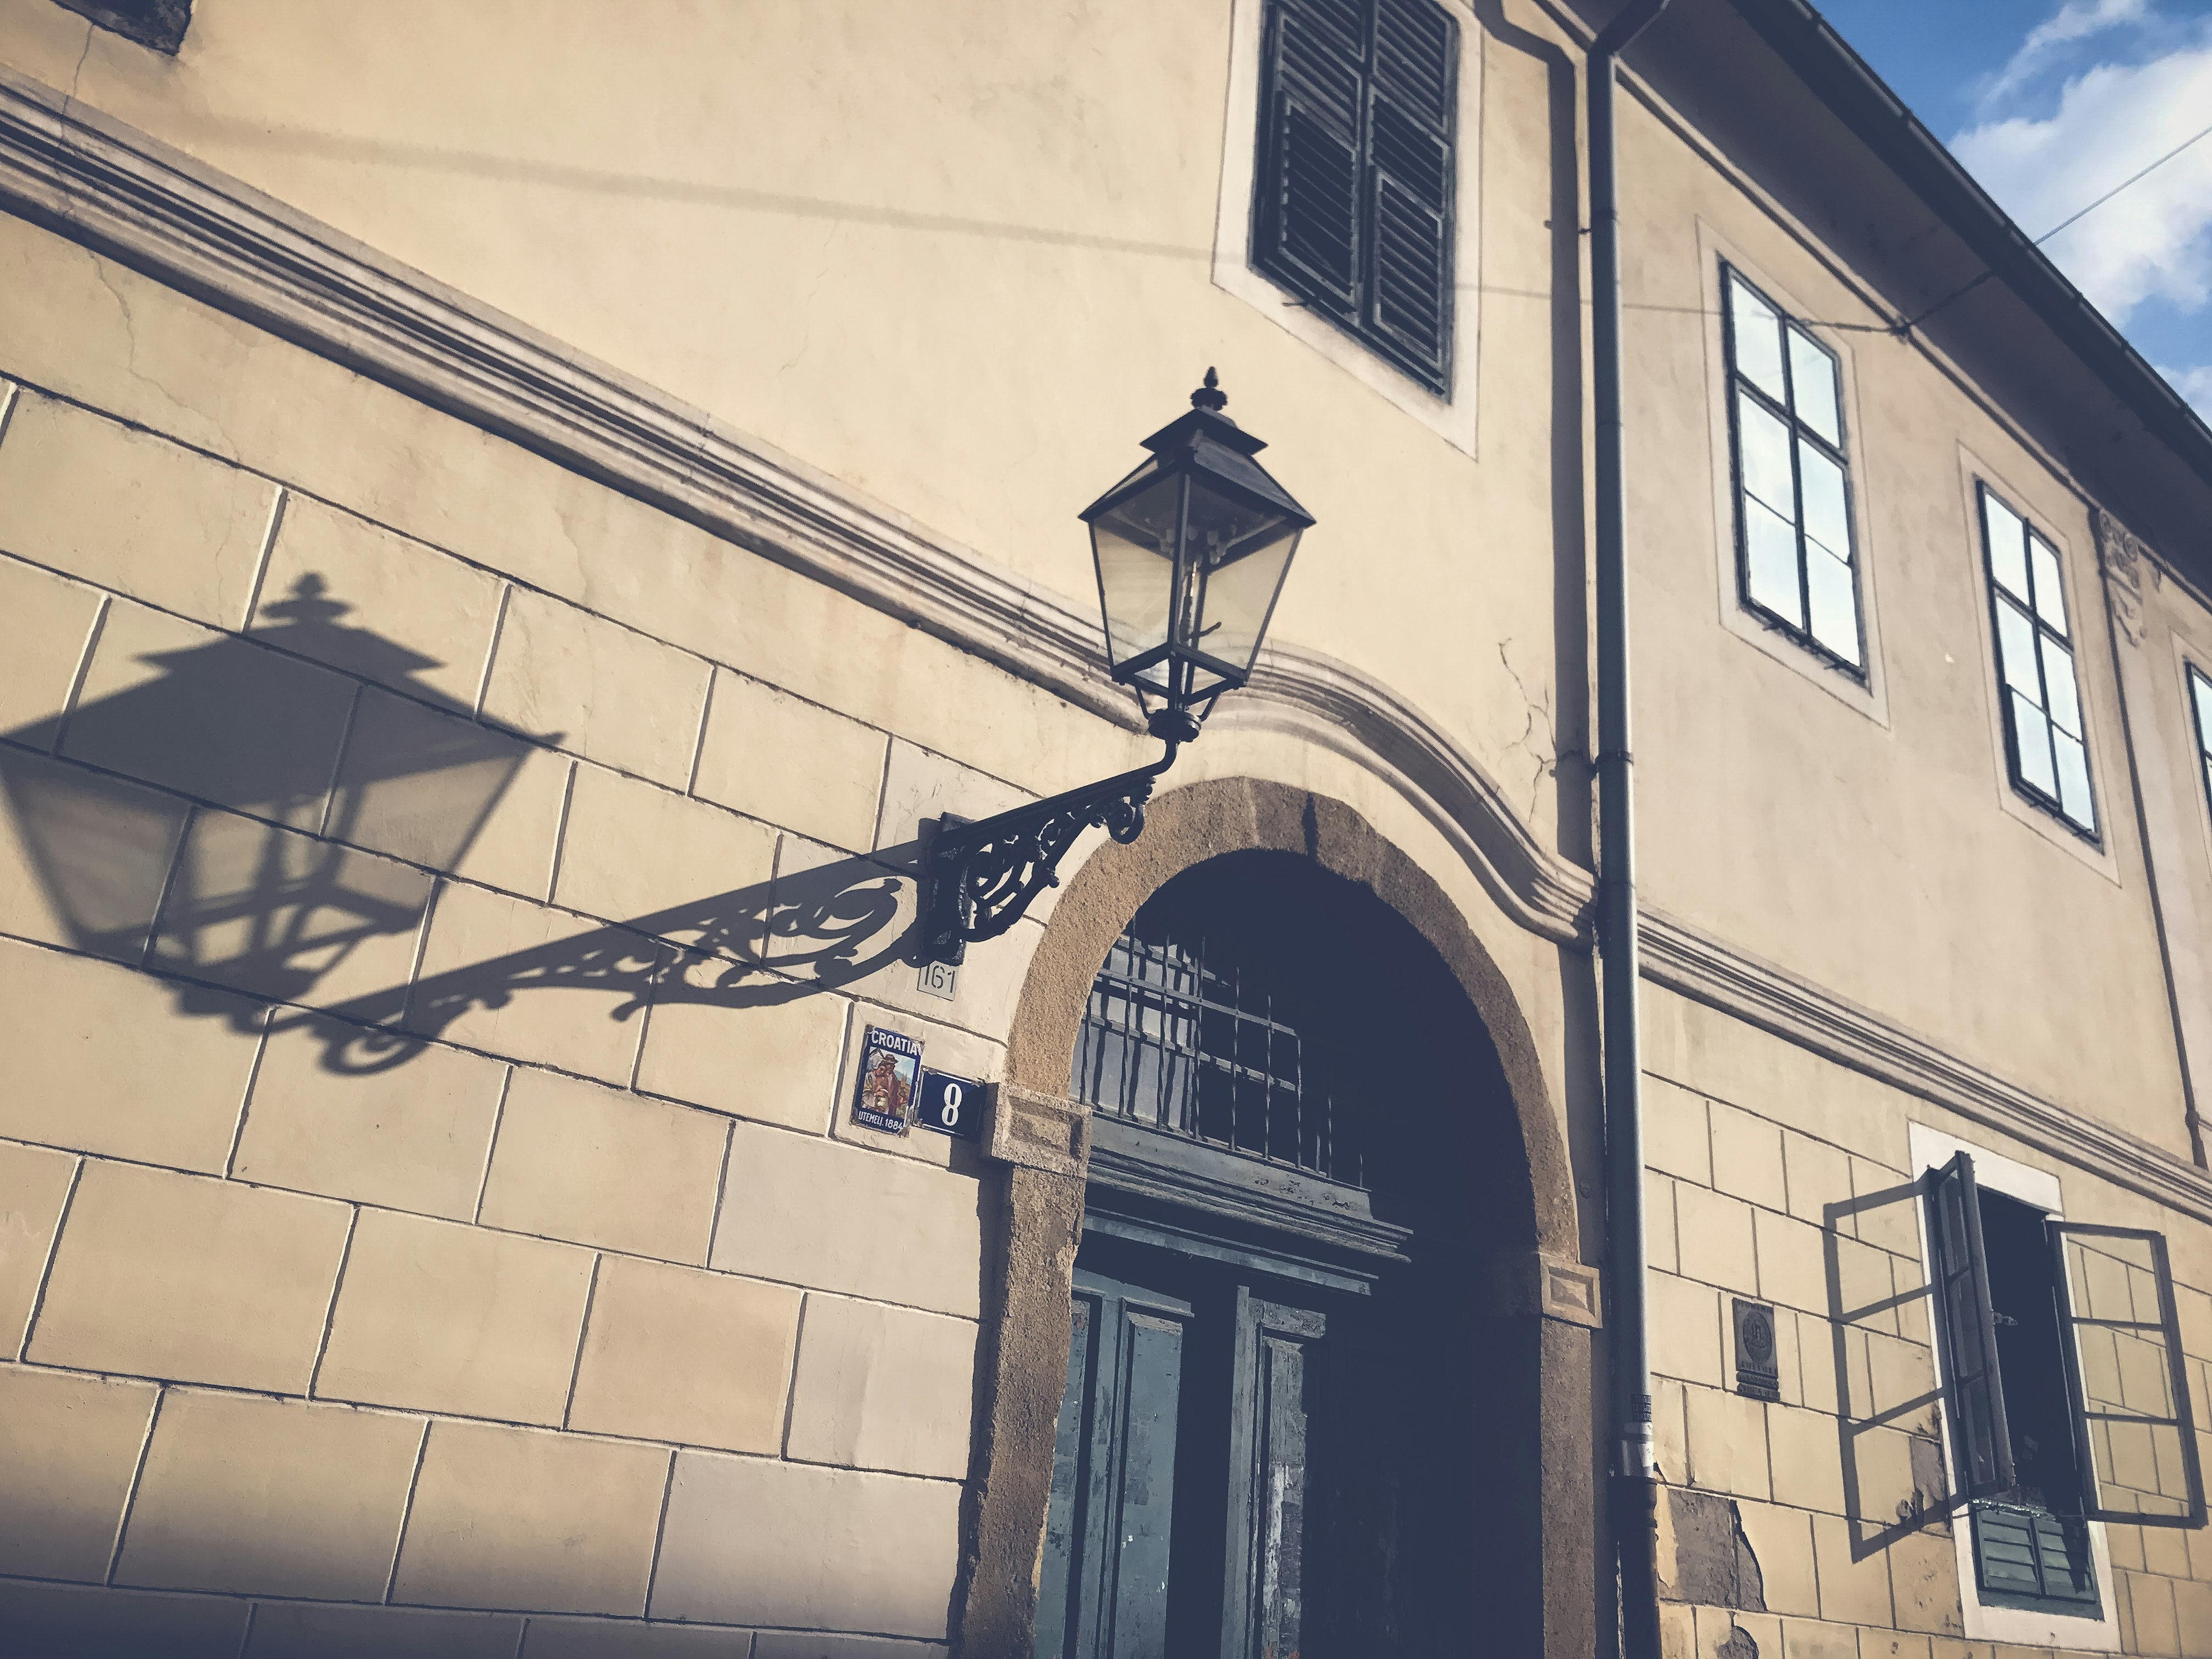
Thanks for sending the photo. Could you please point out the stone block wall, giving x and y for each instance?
(439, 905)
(1817, 1524)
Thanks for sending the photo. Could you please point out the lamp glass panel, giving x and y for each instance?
(1133, 543)
(1241, 594)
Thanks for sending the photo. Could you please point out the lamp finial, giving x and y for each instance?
(1210, 396)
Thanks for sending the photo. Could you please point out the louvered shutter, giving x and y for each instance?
(1409, 172)
(1354, 185)
(2025, 1551)
(1309, 177)
(1967, 1331)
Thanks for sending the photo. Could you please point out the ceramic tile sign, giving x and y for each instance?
(951, 1105)
(884, 1099)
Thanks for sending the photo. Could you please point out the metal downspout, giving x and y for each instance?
(1634, 1507)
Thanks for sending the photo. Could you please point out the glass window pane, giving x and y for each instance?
(2202, 689)
(1757, 333)
(1814, 396)
(1764, 441)
(2049, 591)
(2032, 737)
(2074, 782)
(1835, 612)
(1828, 518)
(2061, 700)
(1770, 572)
(2007, 554)
(2016, 650)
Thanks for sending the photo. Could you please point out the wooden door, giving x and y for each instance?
(1109, 1527)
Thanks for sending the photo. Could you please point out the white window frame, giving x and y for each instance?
(1931, 1149)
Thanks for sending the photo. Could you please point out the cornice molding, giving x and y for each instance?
(1686, 960)
(188, 225)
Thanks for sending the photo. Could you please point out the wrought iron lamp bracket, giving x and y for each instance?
(979, 878)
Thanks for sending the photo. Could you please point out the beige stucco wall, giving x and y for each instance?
(1769, 1170)
(1875, 849)
(593, 1309)
(519, 1254)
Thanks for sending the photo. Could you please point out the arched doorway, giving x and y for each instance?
(1265, 1374)
(1266, 1444)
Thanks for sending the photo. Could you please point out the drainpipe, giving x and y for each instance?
(1635, 1486)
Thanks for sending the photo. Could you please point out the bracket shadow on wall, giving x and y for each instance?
(291, 841)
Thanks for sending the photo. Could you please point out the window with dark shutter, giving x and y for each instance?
(1353, 204)
(2064, 1384)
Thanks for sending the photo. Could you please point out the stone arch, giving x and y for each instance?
(1039, 1143)
(1189, 826)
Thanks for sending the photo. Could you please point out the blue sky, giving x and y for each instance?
(2050, 103)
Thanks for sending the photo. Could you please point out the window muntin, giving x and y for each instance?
(2046, 742)
(1796, 568)
(1354, 190)
(2200, 694)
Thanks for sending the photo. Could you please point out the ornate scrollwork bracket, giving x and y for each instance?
(979, 878)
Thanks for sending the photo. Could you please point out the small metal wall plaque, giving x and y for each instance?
(884, 1098)
(937, 979)
(1758, 1360)
(951, 1105)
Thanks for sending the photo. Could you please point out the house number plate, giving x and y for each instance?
(951, 1105)
(937, 979)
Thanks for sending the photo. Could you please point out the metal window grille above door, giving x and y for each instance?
(1355, 186)
(1196, 1028)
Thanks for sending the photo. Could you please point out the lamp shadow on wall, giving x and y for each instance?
(1888, 1424)
(290, 849)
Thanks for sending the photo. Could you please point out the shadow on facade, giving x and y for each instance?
(1888, 1424)
(290, 851)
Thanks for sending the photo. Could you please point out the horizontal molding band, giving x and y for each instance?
(1683, 958)
(109, 187)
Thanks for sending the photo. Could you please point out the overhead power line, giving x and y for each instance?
(2070, 219)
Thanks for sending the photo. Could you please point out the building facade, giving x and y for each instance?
(518, 526)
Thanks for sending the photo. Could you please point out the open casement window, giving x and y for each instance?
(2200, 694)
(2062, 1375)
(2046, 744)
(2127, 1376)
(1793, 500)
(1352, 195)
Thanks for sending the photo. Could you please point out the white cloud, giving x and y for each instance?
(2074, 21)
(2194, 383)
(2153, 240)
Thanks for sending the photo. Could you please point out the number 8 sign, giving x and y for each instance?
(951, 1105)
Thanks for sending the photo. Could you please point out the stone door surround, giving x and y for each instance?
(1038, 1144)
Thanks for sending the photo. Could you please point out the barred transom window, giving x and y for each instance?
(1204, 1023)
(1793, 507)
(2046, 744)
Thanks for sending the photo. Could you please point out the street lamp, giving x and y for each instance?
(1192, 550)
